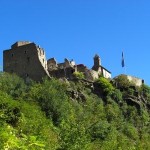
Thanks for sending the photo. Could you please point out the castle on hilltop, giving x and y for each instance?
(28, 60)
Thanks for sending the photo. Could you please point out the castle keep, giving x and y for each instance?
(28, 60)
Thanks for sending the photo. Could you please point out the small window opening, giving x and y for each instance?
(25, 52)
(28, 59)
(43, 60)
(72, 71)
(12, 55)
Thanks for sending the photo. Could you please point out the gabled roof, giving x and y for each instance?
(105, 69)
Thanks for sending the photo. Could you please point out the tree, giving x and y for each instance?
(79, 75)
(105, 85)
(122, 82)
(12, 85)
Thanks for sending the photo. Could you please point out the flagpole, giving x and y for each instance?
(123, 63)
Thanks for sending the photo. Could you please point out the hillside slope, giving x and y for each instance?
(73, 115)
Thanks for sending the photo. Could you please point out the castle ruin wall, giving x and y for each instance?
(25, 61)
(28, 60)
(135, 80)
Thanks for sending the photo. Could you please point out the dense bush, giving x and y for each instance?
(79, 75)
(145, 91)
(105, 85)
(52, 99)
(12, 85)
(122, 82)
(24, 126)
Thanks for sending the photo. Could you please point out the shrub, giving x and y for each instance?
(12, 85)
(117, 96)
(105, 85)
(145, 91)
(52, 98)
(79, 75)
(122, 82)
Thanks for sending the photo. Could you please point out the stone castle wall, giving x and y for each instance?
(135, 80)
(26, 61)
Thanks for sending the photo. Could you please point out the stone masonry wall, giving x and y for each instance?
(135, 80)
(28, 60)
(25, 61)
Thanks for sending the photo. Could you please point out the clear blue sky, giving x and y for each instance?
(78, 29)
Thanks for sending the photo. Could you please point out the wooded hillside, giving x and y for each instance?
(73, 115)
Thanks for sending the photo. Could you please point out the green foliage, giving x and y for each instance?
(52, 98)
(73, 136)
(145, 91)
(24, 126)
(117, 96)
(12, 85)
(105, 85)
(127, 87)
(122, 82)
(79, 75)
(131, 131)
(43, 116)
(100, 130)
(9, 110)
(112, 111)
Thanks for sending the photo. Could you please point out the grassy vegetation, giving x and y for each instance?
(52, 115)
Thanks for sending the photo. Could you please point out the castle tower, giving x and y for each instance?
(97, 62)
(26, 59)
(99, 68)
